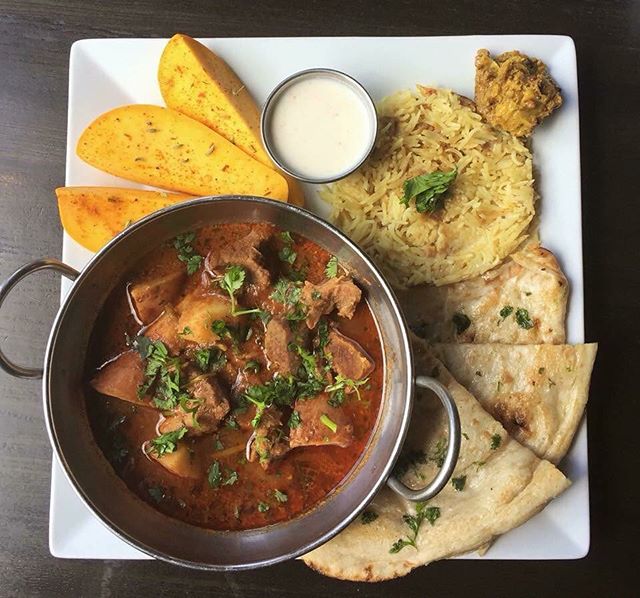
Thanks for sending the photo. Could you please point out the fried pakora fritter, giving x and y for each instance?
(514, 92)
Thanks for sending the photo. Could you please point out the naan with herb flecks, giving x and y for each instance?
(537, 392)
(521, 302)
(498, 485)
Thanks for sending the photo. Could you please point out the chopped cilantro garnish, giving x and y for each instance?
(310, 381)
(298, 275)
(286, 292)
(263, 507)
(339, 387)
(299, 312)
(214, 475)
(286, 236)
(252, 366)
(264, 316)
(224, 331)
(496, 441)
(118, 449)
(232, 423)
(523, 319)
(210, 360)
(231, 478)
(281, 497)
(337, 397)
(459, 482)
(232, 282)
(167, 442)
(220, 328)
(162, 372)
(327, 421)
(280, 391)
(322, 337)
(155, 354)
(294, 419)
(186, 254)
(158, 493)
(202, 357)
(368, 516)
(215, 478)
(287, 255)
(428, 189)
(506, 311)
(431, 514)
(331, 269)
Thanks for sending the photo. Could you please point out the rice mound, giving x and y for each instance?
(486, 211)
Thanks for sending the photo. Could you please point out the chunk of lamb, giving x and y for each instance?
(269, 442)
(348, 358)
(312, 431)
(121, 378)
(165, 329)
(244, 252)
(150, 295)
(213, 408)
(277, 338)
(336, 293)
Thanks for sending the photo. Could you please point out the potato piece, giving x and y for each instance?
(151, 294)
(198, 312)
(161, 147)
(196, 82)
(92, 216)
(180, 462)
(165, 329)
(121, 378)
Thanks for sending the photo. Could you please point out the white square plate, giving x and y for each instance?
(105, 73)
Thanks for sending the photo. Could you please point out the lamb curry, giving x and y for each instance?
(234, 376)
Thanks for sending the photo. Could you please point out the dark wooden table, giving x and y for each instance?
(35, 37)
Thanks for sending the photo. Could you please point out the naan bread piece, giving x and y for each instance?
(537, 392)
(504, 485)
(531, 280)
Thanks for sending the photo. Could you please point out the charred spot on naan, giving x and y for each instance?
(514, 413)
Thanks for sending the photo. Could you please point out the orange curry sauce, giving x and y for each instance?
(305, 475)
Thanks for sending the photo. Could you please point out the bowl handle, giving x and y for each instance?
(453, 447)
(44, 264)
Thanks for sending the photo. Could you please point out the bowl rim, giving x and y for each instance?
(386, 468)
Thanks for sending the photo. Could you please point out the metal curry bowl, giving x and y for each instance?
(106, 494)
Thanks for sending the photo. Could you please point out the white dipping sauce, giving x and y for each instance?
(320, 127)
